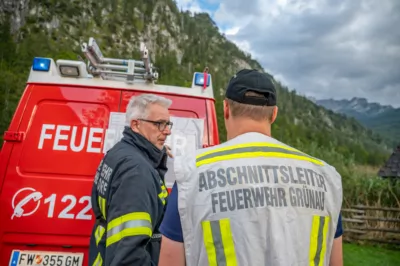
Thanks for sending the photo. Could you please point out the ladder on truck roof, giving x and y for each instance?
(119, 69)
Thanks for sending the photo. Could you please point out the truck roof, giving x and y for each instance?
(54, 77)
(113, 73)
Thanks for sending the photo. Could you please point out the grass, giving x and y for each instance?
(367, 255)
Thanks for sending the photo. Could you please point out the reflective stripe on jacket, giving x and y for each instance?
(128, 200)
(256, 201)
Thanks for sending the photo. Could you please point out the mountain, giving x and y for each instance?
(179, 43)
(383, 119)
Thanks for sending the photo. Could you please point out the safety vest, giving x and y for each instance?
(255, 201)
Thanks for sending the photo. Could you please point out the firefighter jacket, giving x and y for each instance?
(256, 201)
(128, 200)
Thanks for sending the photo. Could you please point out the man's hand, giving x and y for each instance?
(337, 253)
(172, 253)
(169, 152)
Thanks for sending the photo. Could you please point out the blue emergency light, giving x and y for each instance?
(199, 79)
(41, 64)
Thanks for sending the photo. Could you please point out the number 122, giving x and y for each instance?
(65, 213)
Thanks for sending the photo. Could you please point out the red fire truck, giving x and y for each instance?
(69, 115)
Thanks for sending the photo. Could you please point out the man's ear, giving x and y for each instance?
(274, 114)
(226, 109)
(134, 125)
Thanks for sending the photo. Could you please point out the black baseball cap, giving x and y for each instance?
(251, 80)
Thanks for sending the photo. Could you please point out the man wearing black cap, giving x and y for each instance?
(252, 200)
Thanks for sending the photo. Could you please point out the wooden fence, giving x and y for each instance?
(375, 224)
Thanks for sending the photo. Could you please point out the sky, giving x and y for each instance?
(336, 49)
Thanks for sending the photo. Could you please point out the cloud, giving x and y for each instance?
(322, 48)
(191, 5)
(197, 6)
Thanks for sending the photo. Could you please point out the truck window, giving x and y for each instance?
(67, 133)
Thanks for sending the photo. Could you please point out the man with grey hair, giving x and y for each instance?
(129, 195)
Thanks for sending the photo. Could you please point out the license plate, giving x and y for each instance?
(44, 258)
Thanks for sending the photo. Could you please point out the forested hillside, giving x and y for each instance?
(180, 43)
(382, 119)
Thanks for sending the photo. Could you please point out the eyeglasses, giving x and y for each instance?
(160, 124)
